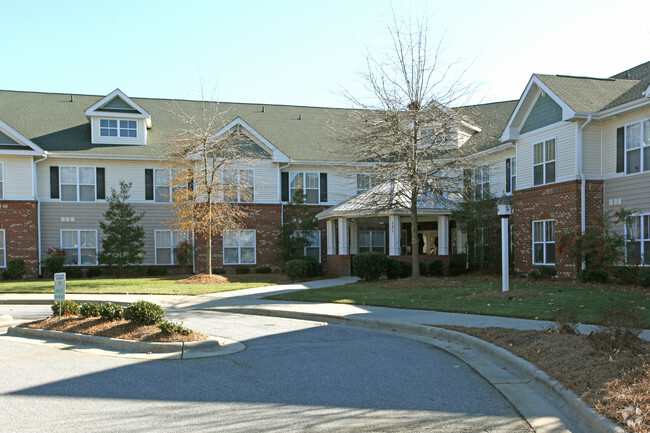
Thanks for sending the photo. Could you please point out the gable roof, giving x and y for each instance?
(13, 142)
(117, 104)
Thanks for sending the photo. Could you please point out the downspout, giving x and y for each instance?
(583, 182)
(38, 203)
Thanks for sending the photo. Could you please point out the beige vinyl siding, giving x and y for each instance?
(592, 150)
(629, 192)
(140, 139)
(266, 181)
(497, 163)
(341, 183)
(609, 138)
(87, 216)
(17, 177)
(565, 153)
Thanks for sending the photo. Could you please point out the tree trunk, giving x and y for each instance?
(415, 241)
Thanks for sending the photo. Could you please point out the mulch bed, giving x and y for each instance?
(204, 279)
(123, 329)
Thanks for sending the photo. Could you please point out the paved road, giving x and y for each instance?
(295, 375)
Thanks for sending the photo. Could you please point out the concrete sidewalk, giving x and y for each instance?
(543, 402)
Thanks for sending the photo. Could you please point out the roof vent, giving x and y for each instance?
(300, 117)
(71, 98)
(262, 108)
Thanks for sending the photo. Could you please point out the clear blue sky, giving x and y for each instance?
(302, 52)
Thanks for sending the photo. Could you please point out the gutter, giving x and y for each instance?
(38, 202)
(583, 182)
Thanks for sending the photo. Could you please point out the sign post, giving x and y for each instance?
(59, 289)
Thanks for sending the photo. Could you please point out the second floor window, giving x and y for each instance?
(482, 182)
(239, 186)
(78, 183)
(115, 128)
(637, 147)
(2, 181)
(544, 162)
(308, 183)
(511, 174)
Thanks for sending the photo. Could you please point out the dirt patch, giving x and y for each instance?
(426, 283)
(204, 279)
(510, 295)
(617, 384)
(123, 329)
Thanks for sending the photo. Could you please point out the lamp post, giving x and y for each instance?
(504, 210)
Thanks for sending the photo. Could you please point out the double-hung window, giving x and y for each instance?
(115, 128)
(3, 250)
(482, 182)
(372, 240)
(239, 185)
(80, 247)
(164, 187)
(544, 242)
(2, 181)
(638, 240)
(239, 247)
(637, 147)
(366, 182)
(308, 183)
(78, 183)
(167, 242)
(312, 249)
(511, 175)
(544, 162)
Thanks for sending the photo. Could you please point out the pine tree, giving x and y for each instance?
(299, 220)
(123, 242)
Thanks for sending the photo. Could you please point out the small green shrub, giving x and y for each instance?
(90, 309)
(392, 268)
(457, 266)
(315, 268)
(626, 274)
(15, 270)
(55, 260)
(171, 328)
(436, 268)
(218, 271)
(297, 268)
(643, 279)
(262, 270)
(405, 269)
(424, 269)
(139, 271)
(75, 273)
(156, 271)
(110, 311)
(144, 313)
(68, 308)
(240, 270)
(93, 272)
(593, 275)
(369, 266)
(542, 273)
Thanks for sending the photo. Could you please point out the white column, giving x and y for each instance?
(394, 234)
(505, 259)
(443, 235)
(331, 238)
(354, 237)
(344, 237)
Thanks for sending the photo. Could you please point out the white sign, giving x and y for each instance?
(59, 287)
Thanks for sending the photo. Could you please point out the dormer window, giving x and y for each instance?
(109, 128)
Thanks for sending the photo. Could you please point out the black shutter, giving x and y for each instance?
(148, 184)
(323, 187)
(101, 186)
(284, 177)
(620, 150)
(467, 183)
(508, 186)
(54, 182)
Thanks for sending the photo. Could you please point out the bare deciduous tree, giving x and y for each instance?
(409, 134)
(205, 173)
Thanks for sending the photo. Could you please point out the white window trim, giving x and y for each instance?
(239, 247)
(118, 128)
(304, 180)
(642, 238)
(79, 247)
(239, 184)
(78, 184)
(513, 175)
(174, 242)
(641, 148)
(544, 242)
(483, 174)
(4, 248)
(318, 236)
(371, 182)
(372, 233)
(2, 181)
(544, 162)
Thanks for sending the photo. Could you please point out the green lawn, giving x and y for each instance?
(480, 296)
(154, 286)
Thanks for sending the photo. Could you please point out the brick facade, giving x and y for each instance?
(559, 202)
(19, 220)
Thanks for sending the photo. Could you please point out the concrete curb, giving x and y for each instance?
(195, 349)
(595, 422)
(50, 302)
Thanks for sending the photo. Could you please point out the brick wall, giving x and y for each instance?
(559, 202)
(339, 265)
(19, 219)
